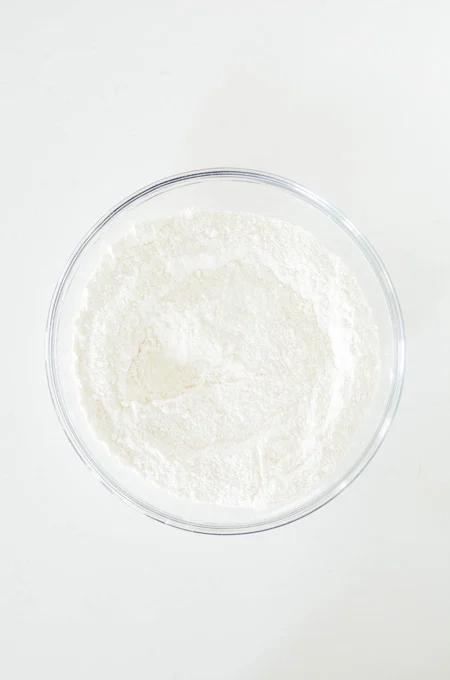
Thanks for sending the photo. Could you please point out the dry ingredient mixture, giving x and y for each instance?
(226, 357)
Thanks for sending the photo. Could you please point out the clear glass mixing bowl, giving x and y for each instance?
(235, 190)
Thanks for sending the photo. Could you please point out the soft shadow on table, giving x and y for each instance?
(422, 280)
(267, 123)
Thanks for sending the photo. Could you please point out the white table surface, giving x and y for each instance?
(350, 98)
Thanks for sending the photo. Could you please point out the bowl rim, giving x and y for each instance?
(292, 513)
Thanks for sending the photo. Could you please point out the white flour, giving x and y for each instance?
(226, 357)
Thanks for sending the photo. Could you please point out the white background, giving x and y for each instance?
(349, 98)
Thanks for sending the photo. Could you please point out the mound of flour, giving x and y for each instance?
(226, 357)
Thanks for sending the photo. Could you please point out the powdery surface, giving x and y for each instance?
(226, 357)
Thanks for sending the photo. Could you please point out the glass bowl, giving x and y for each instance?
(234, 190)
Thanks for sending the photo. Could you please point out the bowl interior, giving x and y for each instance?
(234, 191)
